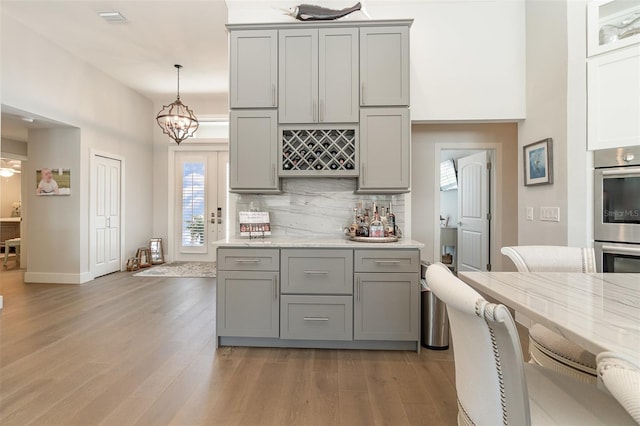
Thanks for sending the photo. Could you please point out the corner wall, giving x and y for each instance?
(42, 78)
(546, 51)
(424, 141)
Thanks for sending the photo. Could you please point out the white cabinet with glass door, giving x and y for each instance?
(200, 204)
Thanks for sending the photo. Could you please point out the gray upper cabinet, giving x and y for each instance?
(253, 63)
(298, 76)
(384, 66)
(338, 75)
(384, 150)
(252, 151)
(318, 77)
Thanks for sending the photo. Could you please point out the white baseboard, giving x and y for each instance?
(1, 302)
(57, 278)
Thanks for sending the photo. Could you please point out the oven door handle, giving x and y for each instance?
(620, 250)
(622, 172)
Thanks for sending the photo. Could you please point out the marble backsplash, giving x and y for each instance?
(319, 206)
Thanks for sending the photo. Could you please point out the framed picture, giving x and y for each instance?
(53, 181)
(538, 163)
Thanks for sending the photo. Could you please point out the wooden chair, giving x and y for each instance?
(621, 376)
(546, 347)
(493, 383)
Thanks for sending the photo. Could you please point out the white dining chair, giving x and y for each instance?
(621, 377)
(493, 383)
(546, 347)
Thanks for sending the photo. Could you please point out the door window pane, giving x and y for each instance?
(193, 204)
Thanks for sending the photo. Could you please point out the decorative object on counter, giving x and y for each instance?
(374, 239)
(447, 258)
(16, 209)
(53, 181)
(254, 224)
(156, 250)
(143, 256)
(538, 163)
(176, 119)
(627, 27)
(310, 12)
(379, 227)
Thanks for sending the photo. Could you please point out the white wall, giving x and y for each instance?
(556, 108)
(43, 78)
(426, 138)
(467, 56)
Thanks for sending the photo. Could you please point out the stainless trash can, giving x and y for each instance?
(435, 324)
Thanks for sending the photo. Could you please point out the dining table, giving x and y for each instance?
(599, 311)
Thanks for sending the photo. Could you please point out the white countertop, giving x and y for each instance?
(311, 242)
(598, 311)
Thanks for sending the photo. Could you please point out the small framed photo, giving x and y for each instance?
(538, 163)
(53, 181)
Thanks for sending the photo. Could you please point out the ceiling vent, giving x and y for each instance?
(112, 16)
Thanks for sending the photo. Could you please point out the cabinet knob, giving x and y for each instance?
(628, 157)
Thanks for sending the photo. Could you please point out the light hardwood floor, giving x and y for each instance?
(130, 350)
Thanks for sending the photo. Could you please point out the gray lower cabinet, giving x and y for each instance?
(316, 317)
(386, 306)
(248, 304)
(384, 150)
(248, 293)
(253, 151)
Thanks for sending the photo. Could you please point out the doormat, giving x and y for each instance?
(181, 270)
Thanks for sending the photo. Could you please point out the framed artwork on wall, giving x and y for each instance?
(538, 163)
(53, 181)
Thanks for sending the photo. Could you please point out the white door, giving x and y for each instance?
(473, 212)
(106, 189)
(201, 204)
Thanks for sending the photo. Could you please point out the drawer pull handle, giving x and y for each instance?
(316, 319)
(387, 262)
(248, 260)
(316, 272)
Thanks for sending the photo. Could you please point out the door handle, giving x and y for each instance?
(459, 223)
(247, 260)
(358, 289)
(316, 272)
(313, 111)
(316, 319)
(321, 111)
(362, 93)
(275, 287)
(273, 173)
(387, 262)
(273, 95)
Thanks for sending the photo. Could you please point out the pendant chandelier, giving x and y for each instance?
(176, 119)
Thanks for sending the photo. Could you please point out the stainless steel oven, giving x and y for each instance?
(617, 209)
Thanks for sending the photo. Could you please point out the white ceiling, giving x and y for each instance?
(142, 51)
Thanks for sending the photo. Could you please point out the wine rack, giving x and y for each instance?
(319, 151)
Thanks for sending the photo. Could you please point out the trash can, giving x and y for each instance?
(434, 321)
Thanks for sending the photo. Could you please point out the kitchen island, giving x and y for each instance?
(318, 293)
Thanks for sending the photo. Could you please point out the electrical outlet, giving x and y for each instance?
(529, 213)
(550, 214)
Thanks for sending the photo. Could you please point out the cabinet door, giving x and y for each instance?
(384, 66)
(253, 63)
(298, 76)
(613, 117)
(248, 304)
(252, 151)
(386, 306)
(338, 75)
(384, 150)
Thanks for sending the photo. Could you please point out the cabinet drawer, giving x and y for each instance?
(387, 261)
(317, 271)
(248, 259)
(316, 317)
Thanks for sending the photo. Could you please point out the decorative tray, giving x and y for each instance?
(374, 239)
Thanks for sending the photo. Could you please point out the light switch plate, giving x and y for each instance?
(550, 214)
(529, 213)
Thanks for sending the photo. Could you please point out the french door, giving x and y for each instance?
(201, 204)
(106, 198)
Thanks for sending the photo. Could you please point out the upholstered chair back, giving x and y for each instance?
(551, 258)
(490, 380)
(621, 377)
